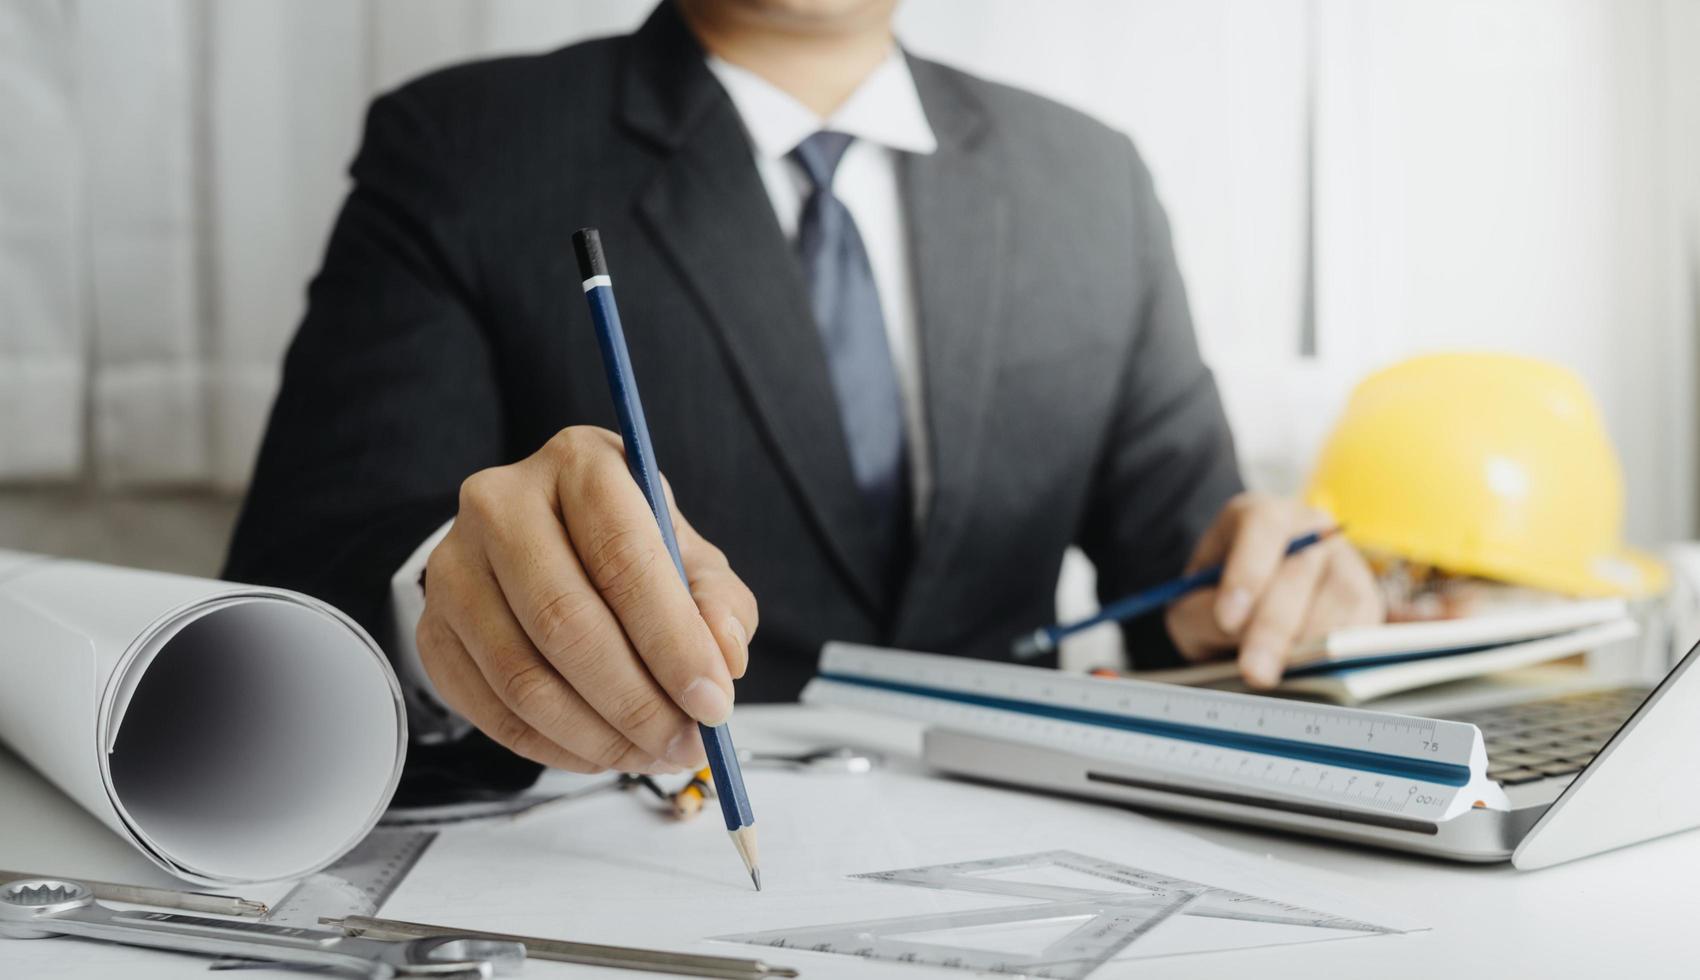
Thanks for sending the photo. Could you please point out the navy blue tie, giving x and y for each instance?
(852, 329)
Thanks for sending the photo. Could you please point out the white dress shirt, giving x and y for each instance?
(885, 116)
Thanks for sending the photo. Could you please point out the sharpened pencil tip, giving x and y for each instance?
(744, 839)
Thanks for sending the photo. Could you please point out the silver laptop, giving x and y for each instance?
(1585, 771)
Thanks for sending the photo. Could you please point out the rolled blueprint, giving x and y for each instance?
(232, 733)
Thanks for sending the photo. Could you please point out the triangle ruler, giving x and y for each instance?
(1082, 926)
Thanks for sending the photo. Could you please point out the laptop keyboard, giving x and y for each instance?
(1553, 736)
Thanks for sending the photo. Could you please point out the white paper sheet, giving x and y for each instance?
(231, 733)
(611, 869)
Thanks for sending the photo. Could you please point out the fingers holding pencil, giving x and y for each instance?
(1271, 599)
(1251, 586)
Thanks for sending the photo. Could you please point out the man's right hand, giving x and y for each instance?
(555, 621)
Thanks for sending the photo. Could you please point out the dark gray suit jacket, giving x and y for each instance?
(447, 332)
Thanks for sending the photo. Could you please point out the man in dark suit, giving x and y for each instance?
(904, 336)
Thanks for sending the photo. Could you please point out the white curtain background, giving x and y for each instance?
(1350, 182)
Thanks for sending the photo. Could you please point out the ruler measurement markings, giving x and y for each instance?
(359, 883)
(1368, 760)
(1160, 752)
(1165, 701)
(1146, 747)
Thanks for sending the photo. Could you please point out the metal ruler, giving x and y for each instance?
(1376, 761)
(1111, 920)
(359, 883)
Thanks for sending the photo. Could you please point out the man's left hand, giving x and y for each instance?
(1268, 603)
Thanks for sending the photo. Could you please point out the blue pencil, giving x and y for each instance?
(640, 458)
(1045, 639)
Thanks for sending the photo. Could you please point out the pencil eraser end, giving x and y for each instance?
(587, 245)
(1030, 646)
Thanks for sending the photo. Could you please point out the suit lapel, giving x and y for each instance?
(958, 217)
(709, 214)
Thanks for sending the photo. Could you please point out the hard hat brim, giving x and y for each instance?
(1627, 572)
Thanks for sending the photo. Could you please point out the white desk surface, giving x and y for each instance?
(1634, 912)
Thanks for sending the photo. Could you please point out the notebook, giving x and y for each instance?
(1359, 664)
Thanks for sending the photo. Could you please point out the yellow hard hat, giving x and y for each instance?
(1483, 464)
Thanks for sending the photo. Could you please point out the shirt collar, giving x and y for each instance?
(885, 109)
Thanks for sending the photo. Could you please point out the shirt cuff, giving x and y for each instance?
(429, 720)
